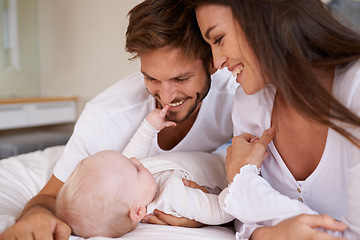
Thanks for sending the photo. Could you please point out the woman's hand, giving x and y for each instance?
(302, 227)
(166, 219)
(246, 149)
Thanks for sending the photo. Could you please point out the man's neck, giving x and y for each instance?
(169, 137)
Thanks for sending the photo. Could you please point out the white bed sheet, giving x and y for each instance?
(22, 177)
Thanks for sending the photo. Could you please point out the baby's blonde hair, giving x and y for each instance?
(90, 205)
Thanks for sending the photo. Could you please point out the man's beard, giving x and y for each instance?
(172, 116)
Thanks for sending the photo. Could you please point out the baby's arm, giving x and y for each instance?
(140, 143)
(157, 118)
(176, 199)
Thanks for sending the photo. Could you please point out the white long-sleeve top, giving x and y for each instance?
(174, 198)
(333, 188)
(168, 169)
(110, 120)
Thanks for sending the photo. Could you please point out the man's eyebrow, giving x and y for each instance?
(147, 75)
(182, 75)
(207, 33)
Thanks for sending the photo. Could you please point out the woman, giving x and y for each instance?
(299, 72)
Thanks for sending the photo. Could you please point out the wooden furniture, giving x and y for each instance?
(39, 111)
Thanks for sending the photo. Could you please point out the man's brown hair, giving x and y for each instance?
(155, 24)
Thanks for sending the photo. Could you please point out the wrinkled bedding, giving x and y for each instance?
(22, 177)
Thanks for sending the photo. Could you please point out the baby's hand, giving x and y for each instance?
(157, 118)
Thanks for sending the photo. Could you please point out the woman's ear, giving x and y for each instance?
(137, 213)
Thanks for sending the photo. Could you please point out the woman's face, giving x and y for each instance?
(229, 46)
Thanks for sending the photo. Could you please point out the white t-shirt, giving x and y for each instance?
(110, 120)
(334, 186)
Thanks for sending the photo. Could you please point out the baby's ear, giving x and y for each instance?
(137, 213)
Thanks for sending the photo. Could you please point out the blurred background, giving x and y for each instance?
(76, 47)
(56, 55)
(66, 48)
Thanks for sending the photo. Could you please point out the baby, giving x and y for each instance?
(109, 193)
(106, 195)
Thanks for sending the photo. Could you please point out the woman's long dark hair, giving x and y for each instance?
(290, 38)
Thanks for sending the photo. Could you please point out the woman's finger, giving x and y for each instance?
(176, 221)
(243, 137)
(255, 139)
(267, 137)
(322, 221)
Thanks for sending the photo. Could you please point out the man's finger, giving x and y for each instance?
(62, 232)
(150, 218)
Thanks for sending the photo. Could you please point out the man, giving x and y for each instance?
(176, 69)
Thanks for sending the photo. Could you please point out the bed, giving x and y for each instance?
(22, 177)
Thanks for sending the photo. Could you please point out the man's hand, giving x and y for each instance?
(38, 225)
(37, 221)
(302, 227)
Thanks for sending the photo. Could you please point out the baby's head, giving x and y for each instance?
(106, 195)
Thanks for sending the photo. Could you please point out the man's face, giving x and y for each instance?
(175, 81)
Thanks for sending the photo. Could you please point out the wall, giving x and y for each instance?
(22, 82)
(81, 44)
(347, 11)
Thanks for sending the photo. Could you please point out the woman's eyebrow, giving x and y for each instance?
(207, 33)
